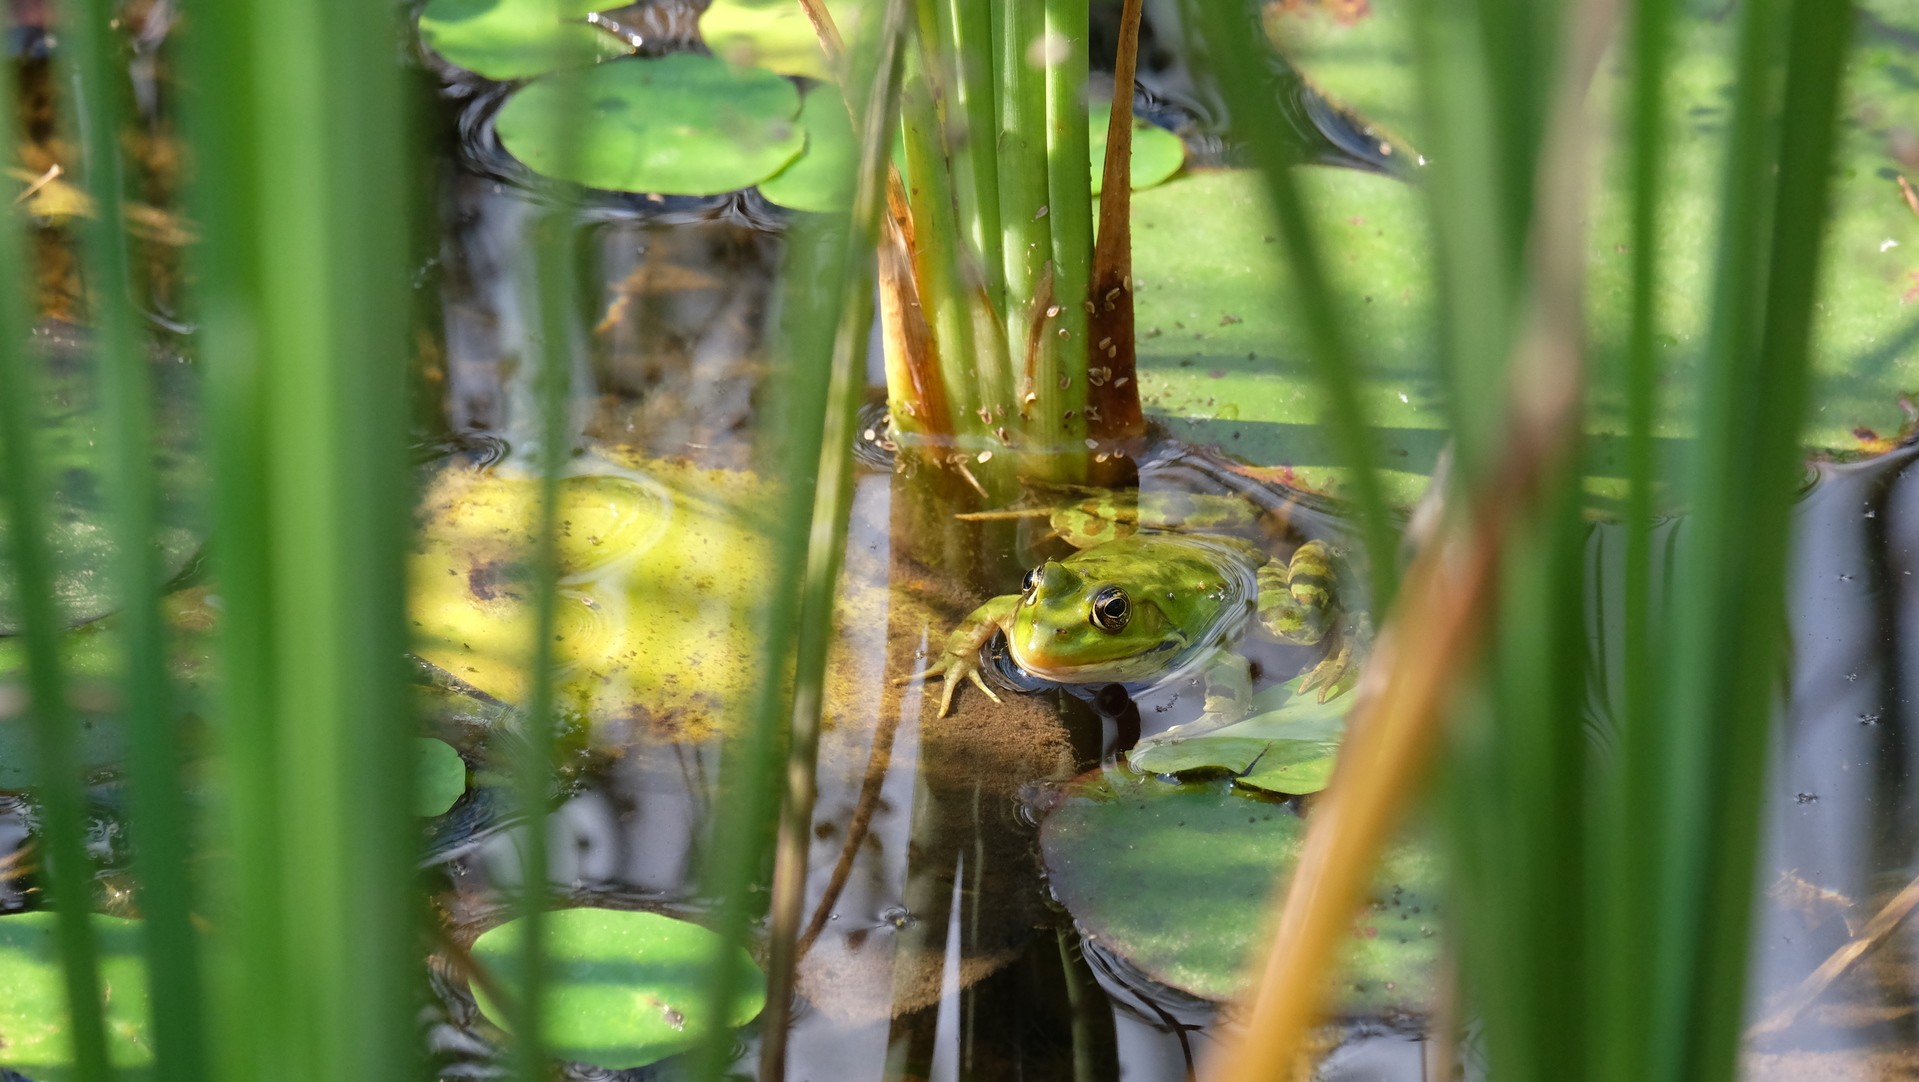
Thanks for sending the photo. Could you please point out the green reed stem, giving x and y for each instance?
(970, 387)
(1635, 805)
(827, 283)
(966, 39)
(1730, 634)
(302, 198)
(1025, 231)
(161, 823)
(66, 868)
(1234, 49)
(1070, 209)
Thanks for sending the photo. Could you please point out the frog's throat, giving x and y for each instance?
(1145, 665)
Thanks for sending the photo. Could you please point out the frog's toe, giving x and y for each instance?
(979, 683)
(1331, 672)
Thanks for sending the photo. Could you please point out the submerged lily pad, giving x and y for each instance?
(1288, 745)
(821, 178)
(1157, 153)
(33, 1008)
(664, 577)
(1179, 880)
(73, 441)
(441, 776)
(623, 989)
(517, 39)
(683, 124)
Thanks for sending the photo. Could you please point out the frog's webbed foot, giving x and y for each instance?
(959, 659)
(953, 670)
(1335, 672)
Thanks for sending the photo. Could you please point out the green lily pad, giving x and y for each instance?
(1179, 881)
(683, 124)
(821, 178)
(1221, 362)
(623, 989)
(517, 39)
(1288, 745)
(1157, 153)
(774, 34)
(441, 776)
(33, 1010)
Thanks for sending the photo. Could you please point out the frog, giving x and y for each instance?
(1159, 587)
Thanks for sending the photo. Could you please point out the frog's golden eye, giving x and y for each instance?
(1111, 610)
(1031, 580)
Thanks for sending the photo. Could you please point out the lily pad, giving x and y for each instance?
(517, 39)
(774, 34)
(441, 776)
(33, 1010)
(683, 124)
(1157, 153)
(1288, 745)
(821, 178)
(623, 989)
(665, 575)
(1179, 881)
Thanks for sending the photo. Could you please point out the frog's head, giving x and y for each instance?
(1078, 629)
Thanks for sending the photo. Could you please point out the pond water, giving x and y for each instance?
(938, 942)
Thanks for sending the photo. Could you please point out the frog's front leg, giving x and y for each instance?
(1299, 603)
(959, 659)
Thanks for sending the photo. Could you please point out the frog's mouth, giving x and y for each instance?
(1142, 665)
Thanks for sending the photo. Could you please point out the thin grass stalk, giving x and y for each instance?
(1238, 67)
(64, 864)
(826, 546)
(550, 356)
(1635, 793)
(1713, 591)
(220, 114)
(161, 824)
(1747, 479)
(821, 289)
(1069, 204)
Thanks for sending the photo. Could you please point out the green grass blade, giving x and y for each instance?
(1234, 48)
(1627, 959)
(305, 199)
(161, 824)
(1749, 467)
(826, 283)
(63, 835)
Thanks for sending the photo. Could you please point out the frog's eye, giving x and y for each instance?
(1111, 610)
(1031, 580)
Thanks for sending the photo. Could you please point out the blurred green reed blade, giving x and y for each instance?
(1625, 960)
(1729, 634)
(827, 284)
(1239, 56)
(162, 824)
(966, 36)
(551, 356)
(302, 198)
(68, 872)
